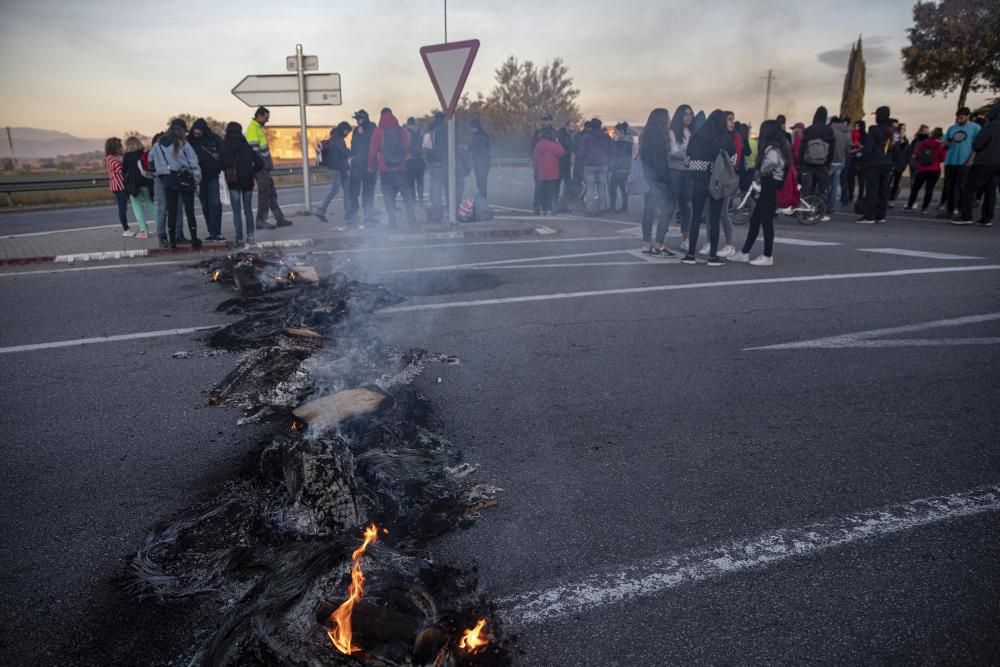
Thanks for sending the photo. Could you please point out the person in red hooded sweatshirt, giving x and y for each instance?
(927, 158)
(545, 158)
(390, 144)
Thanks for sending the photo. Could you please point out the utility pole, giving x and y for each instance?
(767, 95)
(10, 142)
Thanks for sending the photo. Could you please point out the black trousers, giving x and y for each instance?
(363, 185)
(699, 195)
(415, 168)
(617, 185)
(547, 195)
(897, 179)
(815, 179)
(482, 171)
(926, 180)
(877, 192)
(955, 177)
(394, 182)
(763, 216)
(174, 198)
(980, 176)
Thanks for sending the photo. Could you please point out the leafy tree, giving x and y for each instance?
(144, 138)
(953, 46)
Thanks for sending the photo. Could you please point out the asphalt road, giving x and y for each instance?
(618, 402)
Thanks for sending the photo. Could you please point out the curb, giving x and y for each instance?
(327, 244)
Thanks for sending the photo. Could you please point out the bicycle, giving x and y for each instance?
(809, 210)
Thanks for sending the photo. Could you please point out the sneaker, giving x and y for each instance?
(128, 232)
(663, 253)
(264, 225)
(284, 223)
(960, 222)
(220, 237)
(825, 218)
(740, 257)
(142, 235)
(705, 249)
(195, 242)
(763, 260)
(716, 261)
(865, 221)
(684, 245)
(321, 217)
(688, 259)
(182, 240)
(727, 251)
(880, 221)
(164, 243)
(984, 223)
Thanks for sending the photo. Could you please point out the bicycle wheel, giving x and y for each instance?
(740, 215)
(811, 210)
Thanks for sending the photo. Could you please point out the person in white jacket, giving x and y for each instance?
(178, 169)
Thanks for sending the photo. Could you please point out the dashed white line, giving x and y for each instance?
(917, 253)
(639, 580)
(105, 339)
(104, 267)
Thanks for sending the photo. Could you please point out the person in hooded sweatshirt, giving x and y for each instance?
(926, 168)
(416, 165)
(703, 149)
(208, 147)
(363, 180)
(241, 164)
(815, 155)
(545, 157)
(177, 164)
(901, 158)
(595, 154)
(337, 159)
(877, 164)
(481, 154)
(841, 153)
(621, 163)
(985, 172)
(390, 144)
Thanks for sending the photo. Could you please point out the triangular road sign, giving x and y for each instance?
(448, 66)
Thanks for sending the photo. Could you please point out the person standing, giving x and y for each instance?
(958, 140)
(565, 137)
(436, 149)
(984, 173)
(654, 153)
(815, 155)
(681, 129)
(708, 142)
(208, 146)
(546, 124)
(773, 157)
(482, 156)
(390, 144)
(901, 158)
(926, 168)
(138, 185)
(181, 173)
(363, 180)
(116, 180)
(854, 171)
(545, 158)
(241, 164)
(621, 163)
(267, 194)
(877, 161)
(415, 163)
(595, 153)
(841, 148)
(337, 159)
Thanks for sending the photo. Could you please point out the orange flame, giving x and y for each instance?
(296, 425)
(215, 276)
(473, 639)
(341, 633)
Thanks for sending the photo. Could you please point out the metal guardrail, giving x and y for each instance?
(10, 188)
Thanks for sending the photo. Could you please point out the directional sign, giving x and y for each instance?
(282, 90)
(309, 63)
(449, 66)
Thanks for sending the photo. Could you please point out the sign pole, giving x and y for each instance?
(304, 134)
(452, 168)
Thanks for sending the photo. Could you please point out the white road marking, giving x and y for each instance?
(566, 265)
(58, 231)
(105, 339)
(93, 268)
(348, 251)
(620, 583)
(519, 260)
(567, 216)
(917, 253)
(867, 338)
(802, 242)
(101, 256)
(683, 286)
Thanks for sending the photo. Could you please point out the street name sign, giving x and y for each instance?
(449, 65)
(282, 90)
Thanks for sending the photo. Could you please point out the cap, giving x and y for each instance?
(359, 114)
(546, 117)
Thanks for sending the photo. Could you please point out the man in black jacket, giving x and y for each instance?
(479, 148)
(362, 179)
(566, 167)
(985, 171)
(877, 163)
(208, 147)
(816, 155)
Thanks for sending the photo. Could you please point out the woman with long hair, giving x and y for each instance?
(711, 139)
(728, 250)
(681, 129)
(138, 185)
(654, 153)
(773, 158)
(240, 163)
(116, 180)
(177, 164)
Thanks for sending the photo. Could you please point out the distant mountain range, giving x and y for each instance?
(31, 143)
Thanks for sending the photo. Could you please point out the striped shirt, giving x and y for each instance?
(116, 177)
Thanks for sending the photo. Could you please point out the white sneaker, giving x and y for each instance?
(762, 260)
(684, 244)
(128, 232)
(727, 251)
(705, 249)
(825, 218)
(740, 257)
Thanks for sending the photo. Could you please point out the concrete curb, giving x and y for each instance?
(345, 243)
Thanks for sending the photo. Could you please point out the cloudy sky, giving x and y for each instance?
(100, 67)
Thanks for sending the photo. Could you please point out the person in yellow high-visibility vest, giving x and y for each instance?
(267, 194)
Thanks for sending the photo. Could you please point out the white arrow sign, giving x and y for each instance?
(449, 66)
(282, 90)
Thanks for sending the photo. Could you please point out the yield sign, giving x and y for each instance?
(449, 66)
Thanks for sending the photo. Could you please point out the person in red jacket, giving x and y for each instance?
(390, 145)
(927, 156)
(545, 159)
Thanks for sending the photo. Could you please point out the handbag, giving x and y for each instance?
(181, 181)
(636, 183)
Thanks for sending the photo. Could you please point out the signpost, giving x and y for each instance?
(449, 65)
(293, 90)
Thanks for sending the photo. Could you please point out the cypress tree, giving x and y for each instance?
(852, 102)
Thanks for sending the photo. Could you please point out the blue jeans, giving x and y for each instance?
(835, 170)
(121, 198)
(246, 197)
(337, 180)
(161, 207)
(596, 179)
(211, 205)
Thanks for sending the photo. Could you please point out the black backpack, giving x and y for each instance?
(392, 150)
(925, 158)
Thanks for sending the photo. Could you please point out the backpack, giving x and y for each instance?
(724, 181)
(925, 158)
(817, 150)
(392, 148)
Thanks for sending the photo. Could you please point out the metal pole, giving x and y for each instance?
(299, 68)
(452, 194)
(13, 155)
(445, 21)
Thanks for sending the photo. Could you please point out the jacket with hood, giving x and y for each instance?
(678, 149)
(623, 145)
(940, 153)
(438, 131)
(655, 155)
(168, 160)
(338, 155)
(479, 146)
(566, 161)
(545, 158)
(208, 148)
(376, 153)
(135, 176)
(361, 142)
(841, 142)
(703, 149)
(987, 142)
(901, 154)
(596, 148)
(236, 152)
(818, 131)
(877, 151)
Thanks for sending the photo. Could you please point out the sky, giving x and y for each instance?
(95, 68)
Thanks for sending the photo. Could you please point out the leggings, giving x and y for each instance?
(142, 204)
(763, 216)
(173, 199)
(699, 195)
(927, 180)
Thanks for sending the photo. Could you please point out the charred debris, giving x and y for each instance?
(314, 555)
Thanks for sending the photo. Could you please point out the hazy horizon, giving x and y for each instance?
(105, 67)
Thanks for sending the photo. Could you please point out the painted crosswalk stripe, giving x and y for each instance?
(917, 253)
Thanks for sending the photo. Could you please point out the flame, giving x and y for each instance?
(341, 634)
(473, 639)
(296, 425)
(291, 275)
(215, 276)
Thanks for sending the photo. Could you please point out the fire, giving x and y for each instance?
(473, 639)
(215, 276)
(291, 275)
(341, 634)
(296, 425)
